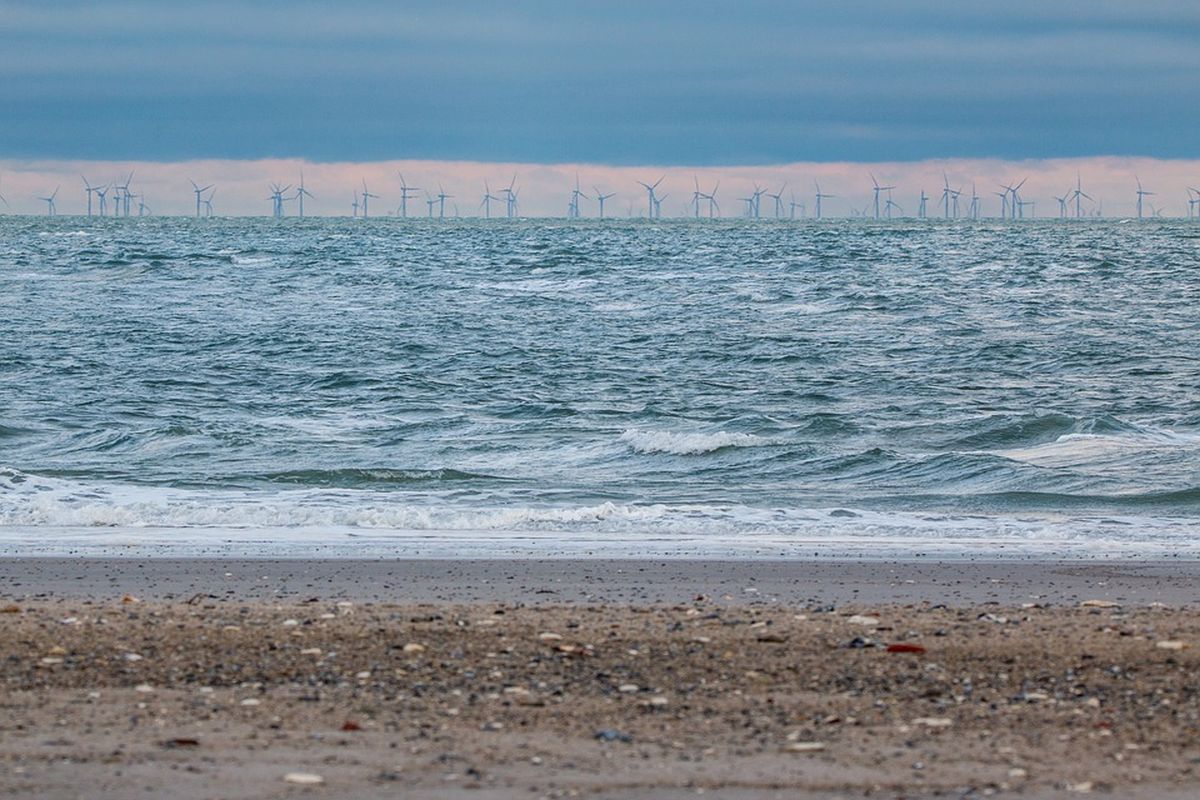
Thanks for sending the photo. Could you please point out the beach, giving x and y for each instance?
(598, 678)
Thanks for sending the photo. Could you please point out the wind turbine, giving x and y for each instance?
(488, 197)
(301, 193)
(1079, 193)
(89, 189)
(442, 198)
(404, 195)
(796, 205)
(510, 198)
(430, 203)
(1016, 204)
(757, 198)
(1193, 202)
(208, 212)
(600, 197)
(125, 193)
(573, 206)
(878, 189)
(143, 209)
(821, 197)
(696, 195)
(1003, 200)
(195, 189)
(651, 201)
(714, 207)
(890, 204)
(366, 195)
(778, 198)
(3, 199)
(277, 197)
(354, 205)
(973, 213)
(658, 205)
(947, 194)
(1062, 204)
(51, 209)
(1140, 194)
(921, 209)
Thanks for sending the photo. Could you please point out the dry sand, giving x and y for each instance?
(560, 679)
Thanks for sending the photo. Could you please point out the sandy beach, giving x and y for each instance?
(622, 679)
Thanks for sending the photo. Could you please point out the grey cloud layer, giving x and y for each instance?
(621, 82)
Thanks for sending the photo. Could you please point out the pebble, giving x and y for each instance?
(863, 619)
(1099, 604)
(627, 688)
(547, 636)
(290, 623)
(413, 647)
(303, 778)
(804, 747)
(250, 701)
(311, 651)
(611, 735)
(10, 609)
(905, 647)
(1170, 644)
(933, 722)
(144, 688)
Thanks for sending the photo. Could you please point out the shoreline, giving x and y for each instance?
(625, 581)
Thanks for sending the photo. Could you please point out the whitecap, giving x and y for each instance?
(684, 443)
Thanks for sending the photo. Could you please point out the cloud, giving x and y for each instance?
(671, 82)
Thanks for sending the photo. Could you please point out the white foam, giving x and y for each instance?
(1077, 449)
(688, 444)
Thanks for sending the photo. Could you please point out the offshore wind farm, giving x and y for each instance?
(1004, 198)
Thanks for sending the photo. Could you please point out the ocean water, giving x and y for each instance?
(386, 387)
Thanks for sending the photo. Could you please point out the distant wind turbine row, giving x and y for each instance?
(883, 205)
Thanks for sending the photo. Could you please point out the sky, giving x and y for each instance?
(686, 86)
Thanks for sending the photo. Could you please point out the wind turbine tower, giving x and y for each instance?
(922, 208)
(1078, 195)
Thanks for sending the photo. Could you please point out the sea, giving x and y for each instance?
(728, 388)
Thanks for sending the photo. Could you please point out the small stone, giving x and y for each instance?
(290, 623)
(627, 688)
(1083, 787)
(132, 657)
(933, 722)
(413, 648)
(1017, 772)
(863, 619)
(804, 747)
(905, 647)
(549, 637)
(10, 609)
(130, 599)
(50, 660)
(251, 701)
(350, 725)
(144, 688)
(1099, 604)
(303, 778)
(311, 651)
(1170, 644)
(772, 638)
(611, 735)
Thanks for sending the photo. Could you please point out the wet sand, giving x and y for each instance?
(621, 679)
(623, 581)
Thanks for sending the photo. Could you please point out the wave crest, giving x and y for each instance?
(688, 444)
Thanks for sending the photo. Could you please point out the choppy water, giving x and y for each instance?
(769, 388)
